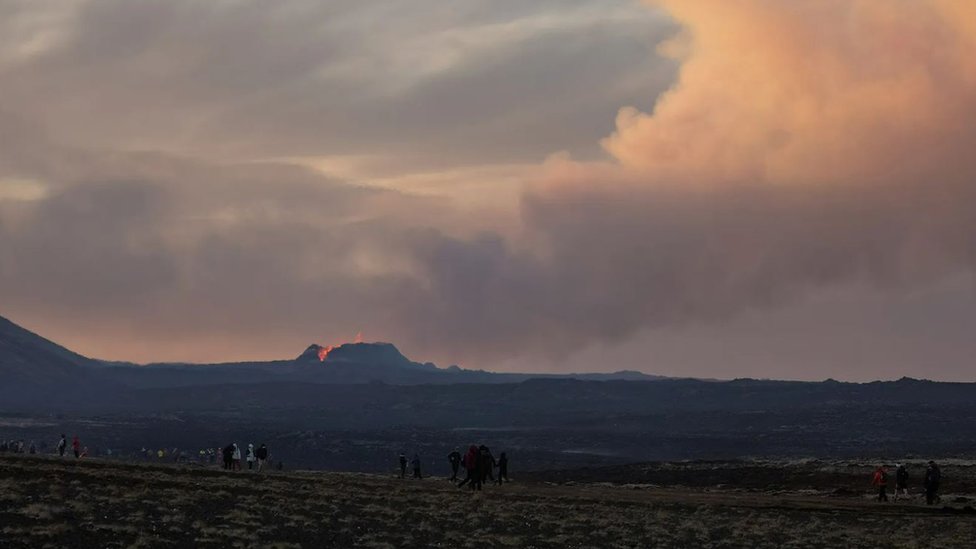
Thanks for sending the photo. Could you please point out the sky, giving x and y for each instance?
(709, 188)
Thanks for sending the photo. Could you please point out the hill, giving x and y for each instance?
(100, 504)
(32, 367)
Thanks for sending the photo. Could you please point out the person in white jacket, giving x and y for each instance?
(250, 456)
(237, 457)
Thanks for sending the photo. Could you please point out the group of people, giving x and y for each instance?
(933, 477)
(478, 462)
(76, 447)
(18, 447)
(255, 457)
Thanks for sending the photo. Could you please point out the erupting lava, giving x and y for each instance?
(325, 350)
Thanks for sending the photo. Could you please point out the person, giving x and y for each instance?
(76, 446)
(62, 445)
(933, 476)
(237, 457)
(901, 481)
(472, 464)
(455, 459)
(250, 456)
(228, 454)
(416, 466)
(502, 468)
(881, 481)
(33, 449)
(262, 455)
(487, 465)
(403, 465)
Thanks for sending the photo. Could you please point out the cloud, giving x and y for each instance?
(801, 147)
(485, 81)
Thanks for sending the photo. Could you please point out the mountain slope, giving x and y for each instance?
(36, 373)
(28, 358)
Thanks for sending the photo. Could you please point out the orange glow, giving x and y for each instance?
(324, 352)
(359, 337)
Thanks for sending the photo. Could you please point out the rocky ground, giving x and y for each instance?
(46, 502)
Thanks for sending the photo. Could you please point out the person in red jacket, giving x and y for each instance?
(472, 464)
(76, 446)
(881, 481)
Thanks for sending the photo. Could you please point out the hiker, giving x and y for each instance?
(881, 481)
(416, 466)
(62, 445)
(262, 455)
(250, 456)
(502, 468)
(933, 476)
(403, 465)
(901, 481)
(487, 466)
(472, 464)
(455, 459)
(228, 454)
(237, 457)
(76, 446)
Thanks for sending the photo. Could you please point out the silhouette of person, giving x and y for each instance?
(502, 468)
(416, 466)
(881, 481)
(933, 476)
(455, 459)
(472, 464)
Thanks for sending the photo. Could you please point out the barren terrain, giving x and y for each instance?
(47, 502)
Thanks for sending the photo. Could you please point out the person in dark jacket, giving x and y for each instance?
(403, 465)
(455, 459)
(933, 476)
(228, 454)
(901, 481)
(502, 468)
(472, 464)
(262, 454)
(62, 445)
(416, 466)
(881, 481)
(487, 465)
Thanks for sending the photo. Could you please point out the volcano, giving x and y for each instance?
(361, 353)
